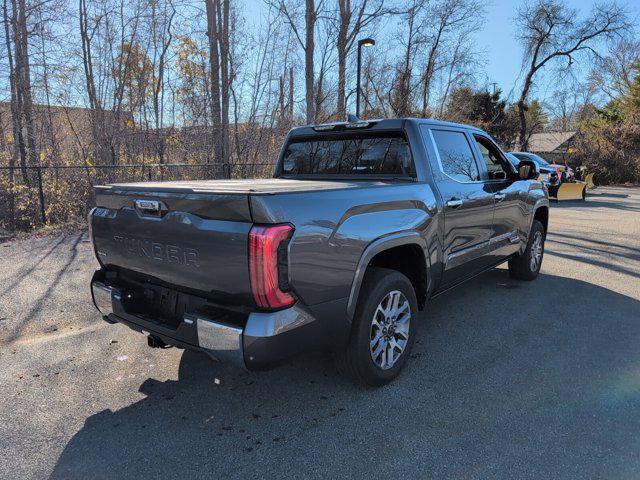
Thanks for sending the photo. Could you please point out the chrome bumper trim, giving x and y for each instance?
(221, 341)
(224, 342)
(103, 297)
(270, 324)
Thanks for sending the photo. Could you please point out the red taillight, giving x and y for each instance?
(264, 243)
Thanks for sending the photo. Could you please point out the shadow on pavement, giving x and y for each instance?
(36, 309)
(591, 193)
(27, 271)
(508, 380)
(591, 203)
(574, 240)
(588, 259)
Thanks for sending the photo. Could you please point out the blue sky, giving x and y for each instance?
(504, 53)
(496, 39)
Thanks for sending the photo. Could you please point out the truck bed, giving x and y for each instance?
(199, 240)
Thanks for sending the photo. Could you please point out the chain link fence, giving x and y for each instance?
(58, 194)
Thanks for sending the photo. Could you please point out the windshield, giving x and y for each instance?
(541, 162)
(366, 155)
(513, 159)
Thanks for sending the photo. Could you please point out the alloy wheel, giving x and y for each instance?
(536, 252)
(390, 329)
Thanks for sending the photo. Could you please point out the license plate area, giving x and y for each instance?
(165, 306)
(157, 304)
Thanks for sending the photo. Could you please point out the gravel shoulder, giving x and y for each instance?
(507, 380)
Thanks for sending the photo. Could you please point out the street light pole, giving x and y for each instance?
(365, 42)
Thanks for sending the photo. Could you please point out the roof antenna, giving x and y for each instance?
(351, 118)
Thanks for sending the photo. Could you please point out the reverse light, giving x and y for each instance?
(268, 265)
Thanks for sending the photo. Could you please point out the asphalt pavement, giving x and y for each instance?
(507, 379)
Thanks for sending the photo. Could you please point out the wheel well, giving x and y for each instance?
(542, 215)
(408, 260)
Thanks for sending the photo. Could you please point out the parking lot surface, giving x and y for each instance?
(508, 379)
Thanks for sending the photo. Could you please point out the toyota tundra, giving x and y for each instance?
(361, 225)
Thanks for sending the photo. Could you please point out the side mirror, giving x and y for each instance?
(527, 170)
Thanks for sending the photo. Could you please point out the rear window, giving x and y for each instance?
(375, 155)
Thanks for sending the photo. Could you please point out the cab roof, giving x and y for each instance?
(380, 124)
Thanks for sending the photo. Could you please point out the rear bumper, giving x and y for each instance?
(265, 340)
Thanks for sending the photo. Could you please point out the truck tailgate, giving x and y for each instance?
(197, 241)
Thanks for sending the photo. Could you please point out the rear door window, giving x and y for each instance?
(455, 155)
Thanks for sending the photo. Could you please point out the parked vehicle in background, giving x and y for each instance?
(548, 173)
(361, 225)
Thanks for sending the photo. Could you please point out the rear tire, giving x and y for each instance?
(383, 331)
(526, 265)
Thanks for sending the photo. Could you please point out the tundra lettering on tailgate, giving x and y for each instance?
(157, 251)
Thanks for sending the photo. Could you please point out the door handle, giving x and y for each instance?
(499, 196)
(454, 203)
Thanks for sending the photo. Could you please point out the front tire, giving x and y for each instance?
(526, 266)
(384, 329)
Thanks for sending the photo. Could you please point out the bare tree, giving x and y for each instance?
(218, 19)
(95, 104)
(551, 32)
(614, 74)
(441, 29)
(214, 66)
(109, 31)
(17, 43)
(325, 89)
(446, 17)
(566, 105)
(400, 96)
(161, 37)
(307, 40)
(23, 67)
(19, 150)
(353, 17)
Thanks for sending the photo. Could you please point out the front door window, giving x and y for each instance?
(497, 165)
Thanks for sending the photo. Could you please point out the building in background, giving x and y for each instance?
(553, 146)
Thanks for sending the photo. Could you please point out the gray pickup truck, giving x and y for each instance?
(362, 224)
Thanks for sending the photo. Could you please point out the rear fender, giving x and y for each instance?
(374, 248)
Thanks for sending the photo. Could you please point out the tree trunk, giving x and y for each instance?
(291, 95)
(214, 65)
(523, 139)
(158, 91)
(281, 106)
(226, 79)
(19, 150)
(24, 82)
(341, 45)
(17, 85)
(319, 97)
(100, 147)
(51, 133)
(310, 23)
(428, 72)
